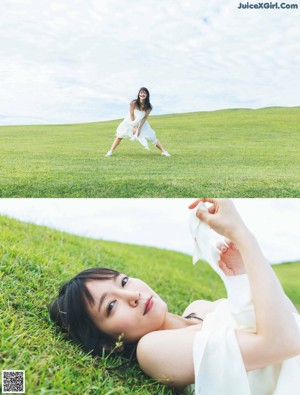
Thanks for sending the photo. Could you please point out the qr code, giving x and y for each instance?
(13, 381)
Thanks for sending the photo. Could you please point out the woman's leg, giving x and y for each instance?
(161, 148)
(114, 146)
(116, 143)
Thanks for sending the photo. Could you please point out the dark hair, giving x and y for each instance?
(69, 312)
(147, 105)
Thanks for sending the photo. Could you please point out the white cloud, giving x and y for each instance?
(79, 61)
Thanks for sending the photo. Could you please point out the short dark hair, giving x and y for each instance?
(69, 311)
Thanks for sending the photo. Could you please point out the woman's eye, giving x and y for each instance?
(124, 281)
(110, 307)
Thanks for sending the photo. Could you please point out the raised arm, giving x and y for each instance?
(232, 265)
(277, 335)
(168, 355)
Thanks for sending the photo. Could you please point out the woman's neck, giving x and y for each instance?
(173, 321)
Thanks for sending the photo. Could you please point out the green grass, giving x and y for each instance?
(226, 153)
(34, 261)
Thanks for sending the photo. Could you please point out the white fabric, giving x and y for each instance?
(219, 369)
(125, 129)
(205, 242)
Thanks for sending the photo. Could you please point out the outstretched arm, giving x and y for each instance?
(277, 336)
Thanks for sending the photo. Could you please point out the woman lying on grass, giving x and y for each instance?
(222, 347)
(135, 126)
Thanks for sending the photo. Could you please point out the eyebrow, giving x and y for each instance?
(105, 295)
(102, 300)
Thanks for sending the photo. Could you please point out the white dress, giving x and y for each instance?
(127, 126)
(218, 364)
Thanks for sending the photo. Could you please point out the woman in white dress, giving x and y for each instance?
(135, 126)
(247, 345)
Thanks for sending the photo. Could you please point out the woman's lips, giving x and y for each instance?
(148, 305)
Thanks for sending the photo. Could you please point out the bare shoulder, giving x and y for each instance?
(132, 103)
(167, 355)
(201, 308)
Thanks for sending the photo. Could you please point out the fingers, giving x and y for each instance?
(225, 269)
(224, 245)
(196, 202)
(211, 200)
(222, 265)
(227, 241)
(212, 209)
(203, 215)
(221, 216)
(230, 244)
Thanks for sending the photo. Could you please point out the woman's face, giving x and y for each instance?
(127, 306)
(143, 94)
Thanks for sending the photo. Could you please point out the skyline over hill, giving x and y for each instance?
(160, 223)
(76, 62)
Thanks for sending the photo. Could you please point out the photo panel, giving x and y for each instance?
(154, 291)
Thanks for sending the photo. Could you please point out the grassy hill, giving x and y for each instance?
(226, 153)
(35, 260)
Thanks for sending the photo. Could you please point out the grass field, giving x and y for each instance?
(226, 153)
(34, 261)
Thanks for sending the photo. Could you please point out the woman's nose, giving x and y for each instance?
(133, 298)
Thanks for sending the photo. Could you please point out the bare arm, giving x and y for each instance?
(142, 122)
(277, 337)
(231, 263)
(131, 109)
(167, 356)
(172, 362)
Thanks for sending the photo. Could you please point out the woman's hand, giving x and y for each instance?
(230, 262)
(221, 217)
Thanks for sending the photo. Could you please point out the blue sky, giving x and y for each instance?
(83, 61)
(162, 223)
